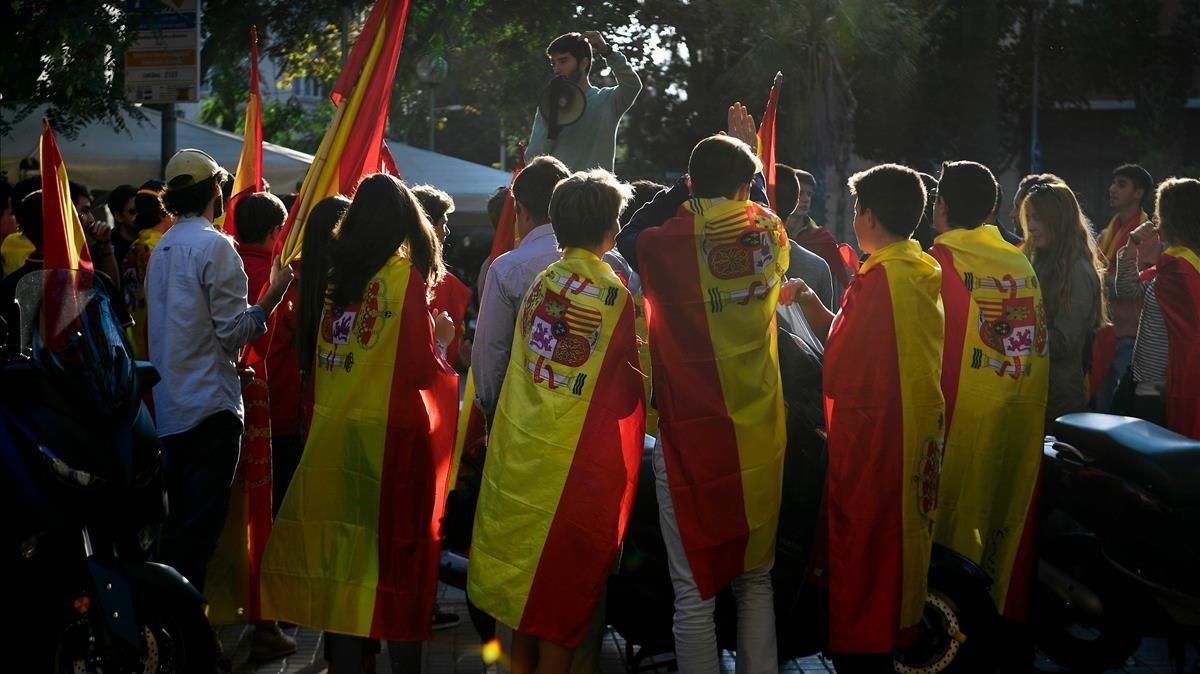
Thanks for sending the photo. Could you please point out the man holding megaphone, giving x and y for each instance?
(575, 121)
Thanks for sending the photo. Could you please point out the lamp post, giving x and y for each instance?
(432, 71)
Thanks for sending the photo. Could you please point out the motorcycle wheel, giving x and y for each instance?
(173, 638)
(952, 636)
(1080, 642)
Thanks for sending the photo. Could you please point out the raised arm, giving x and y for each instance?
(629, 85)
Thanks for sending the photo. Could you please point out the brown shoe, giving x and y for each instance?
(271, 643)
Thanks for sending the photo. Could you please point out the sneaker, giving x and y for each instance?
(443, 620)
(270, 643)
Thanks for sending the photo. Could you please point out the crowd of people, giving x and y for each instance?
(945, 362)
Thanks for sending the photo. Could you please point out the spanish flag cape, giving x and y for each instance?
(995, 370)
(1116, 235)
(711, 279)
(133, 279)
(1177, 287)
(355, 547)
(563, 454)
(883, 412)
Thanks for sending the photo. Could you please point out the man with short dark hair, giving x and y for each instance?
(995, 373)
(124, 213)
(812, 237)
(199, 320)
(591, 141)
(883, 409)
(1131, 186)
(802, 263)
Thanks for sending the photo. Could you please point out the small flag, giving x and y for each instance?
(63, 245)
(766, 138)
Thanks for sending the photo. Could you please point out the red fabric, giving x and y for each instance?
(766, 138)
(420, 439)
(387, 163)
(1104, 354)
(1178, 291)
(865, 476)
(580, 548)
(256, 261)
(451, 296)
(56, 244)
(818, 240)
(254, 472)
(283, 366)
(701, 453)
(956, 302)
(1020, 585)
(506, 229)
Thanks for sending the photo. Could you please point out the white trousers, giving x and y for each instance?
(695, 632)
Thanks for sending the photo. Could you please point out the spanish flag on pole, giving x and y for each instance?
(710, 278)
(63, 247)
(471, 436)
(353, 143)
(249, 176)
(766, 138)
(356, 545)
(995, 370)
(884, 415)
(1177, 287)
(563, 456)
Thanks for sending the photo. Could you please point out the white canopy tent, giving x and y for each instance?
(102, 158)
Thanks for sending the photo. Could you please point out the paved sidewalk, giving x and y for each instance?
(457, 650)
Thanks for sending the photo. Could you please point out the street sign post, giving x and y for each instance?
(162, 65)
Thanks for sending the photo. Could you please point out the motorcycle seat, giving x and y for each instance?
(1163, 461)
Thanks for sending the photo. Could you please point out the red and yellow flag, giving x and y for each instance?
(995, 371)
(766, 138)
(884, 415)
(249, 176)
(710, 316)
(356, 545)
(1177, 287)
(352, 146)
(564, 454)
(63, 242)
(471, 436)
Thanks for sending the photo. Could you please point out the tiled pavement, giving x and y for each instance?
(456, 650)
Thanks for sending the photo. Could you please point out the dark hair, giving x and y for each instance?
(584, 207)
(1177, 212)
(191, 199)
(288, 200)
(894, 194)
(787, 190)
(314, 273)
(495, 206)
(256, 215)
(29, 217)
(924, 233)
(23, 188)
(720, 165)
(78, 191)
(1031, 180)
(150, 209)
(995, 214)
(435, 202)
(969, 191)
(574, 44)
(535, 183)
(118, 197)
(805, 178)
(643, 192)
(226, 187)
(1137, 175)
(383, 216)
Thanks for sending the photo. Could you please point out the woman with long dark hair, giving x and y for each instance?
(1062, 249)
(355, 546)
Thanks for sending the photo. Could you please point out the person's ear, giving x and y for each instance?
(585, 65)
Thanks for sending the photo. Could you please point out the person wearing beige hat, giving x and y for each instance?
(198, 321)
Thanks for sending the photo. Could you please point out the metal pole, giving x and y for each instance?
(432, 116)
(345, 33)
(1035, 160)
(168, 136)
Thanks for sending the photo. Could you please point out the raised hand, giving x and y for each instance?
(740, 125)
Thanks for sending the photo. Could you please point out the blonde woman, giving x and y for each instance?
(1061, 247)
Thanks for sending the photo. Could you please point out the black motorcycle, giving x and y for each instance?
(1119, 545)
(959, 613)
(82, 481)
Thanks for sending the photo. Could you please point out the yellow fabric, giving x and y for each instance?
(133, 281)
(536, 431)
(994, 442)
(747, 360)
(1109, 243)
(914, 280)
(321, 566)
(14, 251)
(643, 335)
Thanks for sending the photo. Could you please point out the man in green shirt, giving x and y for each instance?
(592, 141)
